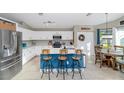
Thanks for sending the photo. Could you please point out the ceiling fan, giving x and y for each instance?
(40, 14)
(88, 14)
(48, 22)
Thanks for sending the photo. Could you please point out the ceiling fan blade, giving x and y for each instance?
(88, 14)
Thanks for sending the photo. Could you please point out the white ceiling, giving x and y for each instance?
(62, 20)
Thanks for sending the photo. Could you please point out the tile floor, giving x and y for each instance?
(31, 71)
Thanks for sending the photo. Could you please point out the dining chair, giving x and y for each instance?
(103, 60)
(97, 49)
(121, 65)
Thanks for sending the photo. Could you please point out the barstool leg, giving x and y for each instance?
(48, 70)
(62, 64)
(58, 69)
(42, 72)
(51, 68)
(79, 69)
(80, 74)
(73, 69)
(66, 69)
(63, 73)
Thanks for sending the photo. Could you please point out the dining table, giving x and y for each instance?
(113, 54)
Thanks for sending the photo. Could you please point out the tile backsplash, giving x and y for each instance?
(39, 43)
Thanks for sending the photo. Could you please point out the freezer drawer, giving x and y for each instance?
(10, 71)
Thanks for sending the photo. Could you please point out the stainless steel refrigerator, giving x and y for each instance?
(10, 54)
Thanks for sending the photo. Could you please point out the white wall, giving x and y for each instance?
(119, 34)
(88, 44)
(77, 28)
(115, 23)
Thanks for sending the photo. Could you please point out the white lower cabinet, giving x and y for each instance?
(29, 53)
(38, 50)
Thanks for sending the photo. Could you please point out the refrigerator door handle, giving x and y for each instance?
(17, 61)
(14, 36)
(10, 58)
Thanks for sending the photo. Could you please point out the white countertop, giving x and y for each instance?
(71, 49)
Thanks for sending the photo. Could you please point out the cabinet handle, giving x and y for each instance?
(11, 65)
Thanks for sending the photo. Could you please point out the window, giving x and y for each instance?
(122, 42)
(105, 37)
(120, 36)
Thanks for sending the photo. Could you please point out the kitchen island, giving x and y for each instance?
(54, 61)
(35, 50)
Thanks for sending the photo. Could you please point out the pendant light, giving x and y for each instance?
(107, 28)
(106, 22)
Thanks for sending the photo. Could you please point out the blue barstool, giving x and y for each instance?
(76, 62)
(62, 62)
(48, 65)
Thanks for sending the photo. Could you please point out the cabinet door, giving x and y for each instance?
(48, 35)
(27, 34)
(67, 35)
(25, 56)
(42, 35)
(37, 35)
(39, 50)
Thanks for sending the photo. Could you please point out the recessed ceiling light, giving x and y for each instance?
(48, 22)
(40, 14)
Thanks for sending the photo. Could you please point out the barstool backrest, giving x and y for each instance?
(46, 51)
(63, 51)
(78, 51)
(97, 48)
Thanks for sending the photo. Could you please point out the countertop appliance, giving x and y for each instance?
(57, 41)
(57, 37)
(10, 53)
(56, 45)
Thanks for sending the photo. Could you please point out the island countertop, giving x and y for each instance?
(70, 49)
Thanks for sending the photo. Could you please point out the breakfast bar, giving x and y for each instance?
(69, 59)
(54, 54)
(54, 61)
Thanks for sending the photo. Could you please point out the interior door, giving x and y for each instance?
(87, 44)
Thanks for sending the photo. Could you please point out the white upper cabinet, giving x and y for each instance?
(67, 35)
(48, 35)
(37, 35)
(26, 33)
(44, 35)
